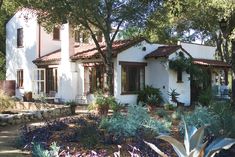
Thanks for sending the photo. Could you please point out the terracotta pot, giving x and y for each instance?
(28, 96)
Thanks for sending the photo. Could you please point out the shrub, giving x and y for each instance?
(162, 113)
(169, 106)
(177, 114)
(148, 92)
(124, 126)
(39, 151)
(202, 116)
(205, 97)
(5, 101)
(226, 122)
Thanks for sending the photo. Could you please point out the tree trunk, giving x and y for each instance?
(233, 72)
(109, 70)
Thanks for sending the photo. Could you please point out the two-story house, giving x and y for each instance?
(66, 63)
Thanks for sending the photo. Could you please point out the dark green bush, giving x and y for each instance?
(148, 92)
(206, 97)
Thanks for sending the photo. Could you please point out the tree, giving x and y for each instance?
(190, 20)
(93, 15)
(7, 9)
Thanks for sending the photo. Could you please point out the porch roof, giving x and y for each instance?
(53, 57)
(209, 62)
(165, 51)
(88, 51)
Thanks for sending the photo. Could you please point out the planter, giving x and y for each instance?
(28, 96)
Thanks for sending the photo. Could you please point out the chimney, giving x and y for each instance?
(67, 42)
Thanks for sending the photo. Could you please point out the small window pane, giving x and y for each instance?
(19, 37)
(56, 33)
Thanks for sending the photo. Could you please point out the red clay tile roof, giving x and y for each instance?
(209, 62)
(50, 57)
(86, 51)
(164, 51)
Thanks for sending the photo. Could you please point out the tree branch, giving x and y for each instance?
(1, 2)
(117, 30)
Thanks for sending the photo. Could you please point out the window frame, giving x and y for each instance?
(20, 38)
(179, 76)
(140, 67)
(56, 33)
(20, 78)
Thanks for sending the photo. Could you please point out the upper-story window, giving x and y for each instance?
(85, 38)
(56, 33)
(77, 36)
(99, 36)
(20, 37)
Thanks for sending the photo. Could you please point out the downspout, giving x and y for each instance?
(39, 40)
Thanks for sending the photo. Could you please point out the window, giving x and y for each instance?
(20, 37)
(51, 80)
(56, 33)
(85, 38)
(20, 78)
(179, 76)
(77, 36)
(132, 79)
(96, 78)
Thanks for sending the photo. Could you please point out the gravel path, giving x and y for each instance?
(8, 137)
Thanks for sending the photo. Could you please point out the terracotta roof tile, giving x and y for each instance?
(53, 56)
(86, 51)
(165, 51)
(209, 62)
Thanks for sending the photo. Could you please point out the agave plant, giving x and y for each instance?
(193, 144)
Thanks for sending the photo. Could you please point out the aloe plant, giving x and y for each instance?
(193, 144)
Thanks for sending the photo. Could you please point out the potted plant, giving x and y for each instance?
(152, 102)
(28, 96)
(72, 105)
(103, 103)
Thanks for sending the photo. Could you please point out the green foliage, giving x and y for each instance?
(71, 103)
(149, 92)
(180, 63)
(177, 114)
(206, 97)
(168, 106)
(173, 95)
(162, 113)
(39, 151)
(202, 116)
(5, 101)
(193, 144)
(103, 100)
(226, 121)
(127, 125)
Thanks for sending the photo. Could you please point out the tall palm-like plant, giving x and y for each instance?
(193, 144)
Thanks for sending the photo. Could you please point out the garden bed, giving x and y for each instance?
(23, 112)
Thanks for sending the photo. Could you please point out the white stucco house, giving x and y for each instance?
(65, 63)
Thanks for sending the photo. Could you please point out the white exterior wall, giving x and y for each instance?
(133, 54)
(67, 71)
(182, 88)
(158, 75)
(199, 51)
(47, 43)
(21, 58)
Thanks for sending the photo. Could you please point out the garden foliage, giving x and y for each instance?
(149, 93)
(122, 126)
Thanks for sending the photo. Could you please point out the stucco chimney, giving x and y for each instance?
(67, 41)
